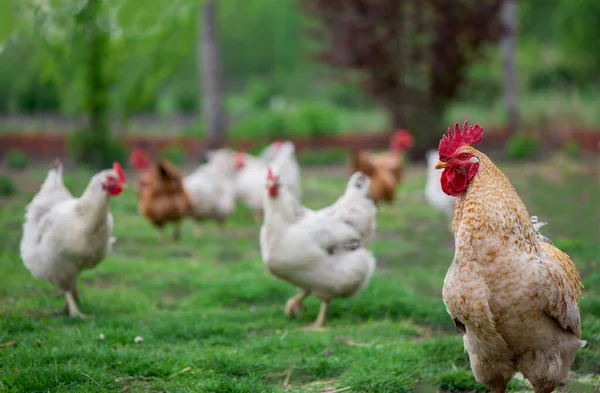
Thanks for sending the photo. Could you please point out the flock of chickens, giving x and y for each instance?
(511, 293)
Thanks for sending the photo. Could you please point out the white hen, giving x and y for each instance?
(251, 180)
(211, 187)
(318, 253)
(63, 235)
(433, 188)
(355, 207)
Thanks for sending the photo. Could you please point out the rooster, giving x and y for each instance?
(162, 198)
(63, 235)
(319, 253)
(385, 169)
(513, 295)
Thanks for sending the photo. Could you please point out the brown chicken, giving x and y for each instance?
(513, 295)
(385, 169)
(161, 196)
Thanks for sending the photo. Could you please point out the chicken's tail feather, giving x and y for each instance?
(54, 177)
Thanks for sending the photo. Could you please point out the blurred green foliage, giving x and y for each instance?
(175, 154)
(16, 159)
(99, 150)
(522, 146)
(572, 149)
(7, 186)
(151, 64)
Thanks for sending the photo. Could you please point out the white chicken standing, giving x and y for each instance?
(63, 235)
(211, 187)
(318, 253)
(251, 180)
(433, 189)
(355, 207)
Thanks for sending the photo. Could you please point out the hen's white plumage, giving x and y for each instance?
(433, 189)
(251, 181)
(355, 208)
(318, 253)
(211, 187)
(63, 235)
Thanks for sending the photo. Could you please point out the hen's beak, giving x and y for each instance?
(441, 165)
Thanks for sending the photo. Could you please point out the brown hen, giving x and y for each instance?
(162, 198)
(385, 169)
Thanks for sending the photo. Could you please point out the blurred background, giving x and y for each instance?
(91, 79)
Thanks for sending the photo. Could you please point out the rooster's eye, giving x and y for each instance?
(463, 156)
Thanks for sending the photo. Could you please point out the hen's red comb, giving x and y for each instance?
(402, 140)
(117, 168)
(465, 137)
(139, 160)
(270, 174)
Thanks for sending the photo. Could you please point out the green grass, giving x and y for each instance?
(212, 319)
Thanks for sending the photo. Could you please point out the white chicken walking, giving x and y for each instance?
(318, 253)
(251, 180)
(211, 187)
(355, 207)
(63, 235)
(434, 194)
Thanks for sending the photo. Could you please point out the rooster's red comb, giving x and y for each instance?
(270, 174)
(117, 168)
(139, 160)
(453, 140)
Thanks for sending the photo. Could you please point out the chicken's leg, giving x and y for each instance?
(177, 231)
(321, 318)
(72, 307)
(295, 304)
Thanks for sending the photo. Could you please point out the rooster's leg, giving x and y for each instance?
(72, 307)
(295, 304)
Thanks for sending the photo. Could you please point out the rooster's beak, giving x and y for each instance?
(441, 165)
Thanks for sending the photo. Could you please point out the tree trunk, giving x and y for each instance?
(210, 76)
(509, 21)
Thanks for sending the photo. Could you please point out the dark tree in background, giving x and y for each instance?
(409, 55)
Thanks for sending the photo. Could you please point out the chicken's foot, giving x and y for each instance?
(318, 325)
(295, 304)
(72, 309)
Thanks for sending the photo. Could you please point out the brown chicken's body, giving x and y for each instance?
(514, 297)
(384, 169)
(161, 196)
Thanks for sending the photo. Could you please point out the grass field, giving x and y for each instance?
(211, 318)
